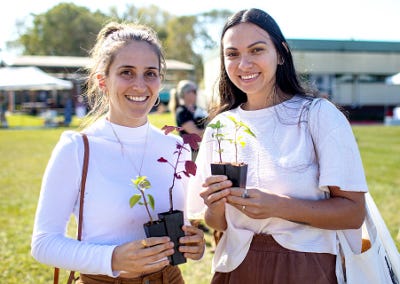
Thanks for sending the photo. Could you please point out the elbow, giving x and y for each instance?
(358, 218)
(35, 248)
(39, 244)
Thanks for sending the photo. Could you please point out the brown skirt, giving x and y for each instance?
(267, 262)
(169, 275)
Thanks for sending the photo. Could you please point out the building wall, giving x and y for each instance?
(313, 62)
(351, 78)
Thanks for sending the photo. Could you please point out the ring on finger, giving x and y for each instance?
(243, 207)
(144, 243)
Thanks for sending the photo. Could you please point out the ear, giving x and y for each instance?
(101, 80)
(281, 60)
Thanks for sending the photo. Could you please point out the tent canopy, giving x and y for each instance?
(393, 80)
(30, 78)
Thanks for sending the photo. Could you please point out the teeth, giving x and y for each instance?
(247, 77)
(136, 99)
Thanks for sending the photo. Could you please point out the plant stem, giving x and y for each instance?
(220, 151)
(171, 206)
(235, 142)
(146, 205)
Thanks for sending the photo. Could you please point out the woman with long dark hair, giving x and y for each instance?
(305, 176)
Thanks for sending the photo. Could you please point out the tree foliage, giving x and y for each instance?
(66, 29)
(70, 30)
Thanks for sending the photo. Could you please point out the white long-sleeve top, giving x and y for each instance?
(301, 148)
(108, 219)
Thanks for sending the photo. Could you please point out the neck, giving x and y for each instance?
(127, 122)
(260, 102)
(124, 152)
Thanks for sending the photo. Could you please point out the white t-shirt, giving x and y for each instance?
(108, 219)
(282, 158)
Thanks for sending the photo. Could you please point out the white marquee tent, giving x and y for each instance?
(30, 78)
(393, 80)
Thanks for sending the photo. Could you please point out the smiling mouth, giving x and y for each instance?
(249, 77)
(137, 99)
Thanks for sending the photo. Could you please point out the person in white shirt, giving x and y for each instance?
(123, 86)
(305, 176)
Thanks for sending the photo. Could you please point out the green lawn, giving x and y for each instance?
(24, 154)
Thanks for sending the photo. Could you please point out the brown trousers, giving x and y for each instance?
(269, 263)
(169, 275)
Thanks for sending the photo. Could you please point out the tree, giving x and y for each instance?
(151, 16)
(70, 30)
(64, 30)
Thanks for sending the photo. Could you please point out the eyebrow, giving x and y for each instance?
(134, 67)
(251, 45)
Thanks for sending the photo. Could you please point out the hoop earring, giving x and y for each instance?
(158, 101)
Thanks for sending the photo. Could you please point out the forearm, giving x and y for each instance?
(215, 221)
(59, 251)
(333, 213)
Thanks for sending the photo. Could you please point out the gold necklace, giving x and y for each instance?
(123, 148)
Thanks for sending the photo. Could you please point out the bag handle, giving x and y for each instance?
(81, 202)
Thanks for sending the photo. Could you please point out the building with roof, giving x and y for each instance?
(73, 69)
(351, 73)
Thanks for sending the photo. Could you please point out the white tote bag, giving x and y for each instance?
(380, 264)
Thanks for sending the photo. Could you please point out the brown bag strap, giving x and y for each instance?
(81, 202)
(83, 183)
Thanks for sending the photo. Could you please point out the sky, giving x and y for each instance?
(371, 20)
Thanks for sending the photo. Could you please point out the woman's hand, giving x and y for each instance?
(140, 257)
(343, 210)
(215, 192)
(193, 244)
(253, 202)
(217, 188)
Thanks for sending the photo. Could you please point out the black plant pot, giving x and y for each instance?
(235, 173)
(170, 224)
(155, 229)
(173, 223)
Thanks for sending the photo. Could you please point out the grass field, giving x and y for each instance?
(24, 154)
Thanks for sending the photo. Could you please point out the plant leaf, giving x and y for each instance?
(215, 125)
(232, 118)
(151, 200)
(141, 183)
(192, 139)
(248, 131)
(168, 129)
(190, 167)
(134, 199)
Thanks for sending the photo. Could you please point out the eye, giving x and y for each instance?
(257, 50)
(231, 54)
(126, 73)
(152, 74)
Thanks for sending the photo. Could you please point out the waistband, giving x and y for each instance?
(264, 242)
(145, 279)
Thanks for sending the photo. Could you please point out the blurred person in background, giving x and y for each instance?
(188, 115)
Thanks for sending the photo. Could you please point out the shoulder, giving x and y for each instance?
(223, 116)
(70, 138)
(69, 145)
(324, 110)
(181, 109)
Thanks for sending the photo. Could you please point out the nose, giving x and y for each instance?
(139, 84)
(245, 62)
